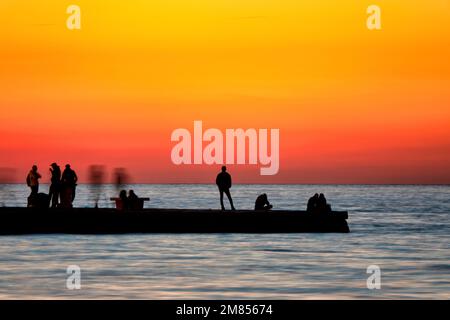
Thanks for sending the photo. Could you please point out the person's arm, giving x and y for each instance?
(75, 178)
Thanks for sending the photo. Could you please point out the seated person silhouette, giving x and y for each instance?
(39, 200)
(133, 200)
(312, 203)
(223, 182)
(262, 203)
(322, 205)
(132, 196)
(125, 202)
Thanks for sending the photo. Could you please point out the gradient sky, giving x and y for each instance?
(352, 105)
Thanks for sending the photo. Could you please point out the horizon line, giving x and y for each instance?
(250, 183)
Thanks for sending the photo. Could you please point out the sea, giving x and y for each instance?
(398, 248)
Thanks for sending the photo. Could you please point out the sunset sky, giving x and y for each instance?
(353, 105)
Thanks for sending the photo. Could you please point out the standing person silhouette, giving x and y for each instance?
(55, 184)
(223, 181)
(69, 181)
(33, 180)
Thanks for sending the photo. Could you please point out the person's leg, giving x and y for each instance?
(54, 195)
(73, 193)
(227, 192)
(33, 196)
(57, 195)
(50, 193)
(34, 190)
(69, 196)
(221, 200)
(66, 197)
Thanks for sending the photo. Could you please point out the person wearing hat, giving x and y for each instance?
(55, 186)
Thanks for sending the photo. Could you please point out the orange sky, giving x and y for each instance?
(352, 105)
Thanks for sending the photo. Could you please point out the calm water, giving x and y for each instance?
(405, 230)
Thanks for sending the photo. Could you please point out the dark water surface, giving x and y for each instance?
(405, 230)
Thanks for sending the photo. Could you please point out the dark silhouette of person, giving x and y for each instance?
(69, 181)
(262, 203)
(33, 181)
(133, 200)
(125, 200)
(55, 185)
(322, 205)
(312, 203)
(132, 196)
(223, 182)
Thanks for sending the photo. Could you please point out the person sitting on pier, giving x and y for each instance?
(322, 205)
(262, 203)
(125, 200)
(132, 196)
(312, 203)
(130, 202)
(133, 200)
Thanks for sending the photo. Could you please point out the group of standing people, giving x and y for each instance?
(62, 187)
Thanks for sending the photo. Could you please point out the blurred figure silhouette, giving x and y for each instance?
(96, 178)
(33, 180)
(322, 205)
(262, 203)
(312, 203)
(7, 175)
(223, 182)
(120, 178)
(55, 186)
(69, 183)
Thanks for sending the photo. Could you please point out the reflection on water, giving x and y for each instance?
(403, 229)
